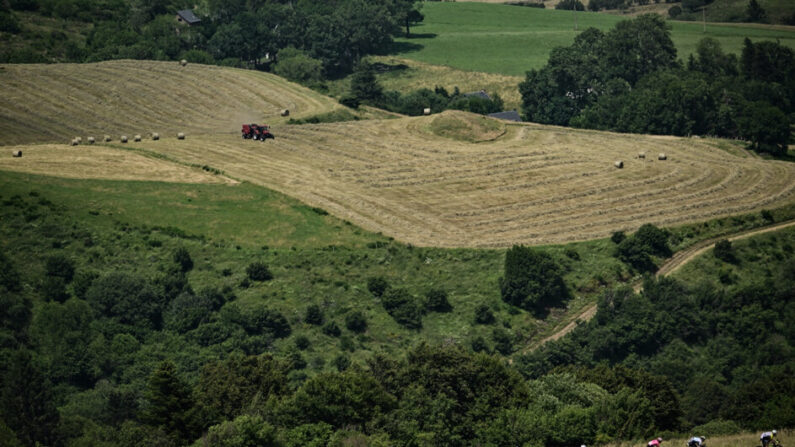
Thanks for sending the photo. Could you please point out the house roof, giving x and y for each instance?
(188, 16)
(510, 115)
(481, 94)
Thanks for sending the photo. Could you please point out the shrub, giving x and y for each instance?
(719, 427)
(767, 215)
(53, 288)
(479, 344)
(341, 362)
(502, 341)
(263, 320)
(356, 322)
(377, 285)
(655, 239)
(331, 329)
(183, 259)
(674, 11)
(724, 251)
(314, 315)
(258, 271)
(60, 266)
(618, 237)
(533, 280)
(484, 315)
(437, 301)
(403, 308)
(302, 342)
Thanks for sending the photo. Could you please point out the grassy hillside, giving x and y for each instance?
(511, 40)
(316, 259)
(54, 103)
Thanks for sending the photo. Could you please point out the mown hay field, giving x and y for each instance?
(54, 103)
(530, 184)
(448, 180)
(102, 162)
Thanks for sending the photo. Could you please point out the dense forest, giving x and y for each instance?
(629, 80)
(336, 33)
(109, 337)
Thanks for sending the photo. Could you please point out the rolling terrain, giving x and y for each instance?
(53, 103)
(449, 180)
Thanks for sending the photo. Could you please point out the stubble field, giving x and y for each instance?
(449, 180)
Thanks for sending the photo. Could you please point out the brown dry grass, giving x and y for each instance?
(533, 185)
(100, 162)
(52, 103)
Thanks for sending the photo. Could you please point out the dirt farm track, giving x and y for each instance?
(409, 178)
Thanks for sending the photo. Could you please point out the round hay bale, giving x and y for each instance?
(183, 62)
(155, 136)
(107, 138)
(180, 136)
(285, 112)
(91, 140)
(137, 138)
(16, 154)
(641, 155)
(619, 164)
(662, 157)
(426, 111)
(74, 142)
(124, 138)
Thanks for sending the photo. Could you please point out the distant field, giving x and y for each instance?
(510, 40)
(54, 103)
(405, 75)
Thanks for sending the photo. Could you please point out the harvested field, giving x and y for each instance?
(102, 162)
(135, 97)
(533, 184)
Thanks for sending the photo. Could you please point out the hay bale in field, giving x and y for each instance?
(155, 136)
(426, 111)
(180, 136)
(16, 154)
(662, 156)
(285, 112)
(91, 140)
(124, 138)
(137, 138)
(74, 142)
(619, 164)
(641, 155)
(183, 62)
(107, 138)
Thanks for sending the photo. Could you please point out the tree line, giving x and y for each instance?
(629, 80)
(240, 33)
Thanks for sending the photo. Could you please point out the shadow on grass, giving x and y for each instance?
(404, 47)
(421, 36)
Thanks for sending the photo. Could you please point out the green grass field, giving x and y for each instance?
(135, 226)
(510, 40)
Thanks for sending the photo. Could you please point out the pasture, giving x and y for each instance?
(510, 40)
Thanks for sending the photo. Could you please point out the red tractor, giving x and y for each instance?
(256, 132)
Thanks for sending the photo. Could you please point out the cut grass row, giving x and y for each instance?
(510, 40)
